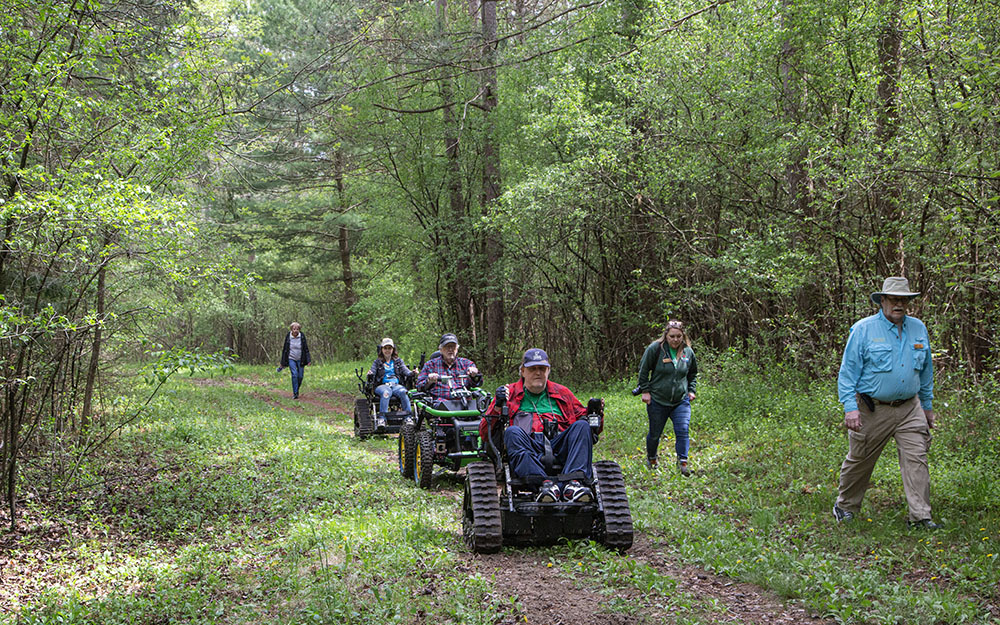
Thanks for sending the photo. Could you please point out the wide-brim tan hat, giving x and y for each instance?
(896, 286)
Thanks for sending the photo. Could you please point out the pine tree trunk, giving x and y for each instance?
(459, 291)
(491, 180)
(887, 192)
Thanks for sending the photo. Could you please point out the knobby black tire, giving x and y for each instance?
(481, 527)
(364, 425)
(423, 461)
(613, 529)
(407, 450)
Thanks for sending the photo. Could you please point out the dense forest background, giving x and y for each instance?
(184, 177)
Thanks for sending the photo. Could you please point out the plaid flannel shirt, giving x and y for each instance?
(442, 389)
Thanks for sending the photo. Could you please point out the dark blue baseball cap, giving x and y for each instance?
(448, 338)
(535, 357)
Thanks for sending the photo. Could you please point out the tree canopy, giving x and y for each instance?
(566, 174)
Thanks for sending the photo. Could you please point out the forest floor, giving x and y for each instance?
(230, 503)
(546, 596)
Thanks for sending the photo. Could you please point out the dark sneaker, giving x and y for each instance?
(548, 493)
(408, 420)
(295, 396)
(842, 516)
(923, 524)
(651, 463)
(683, 466)
(380, 421)
(575, 491)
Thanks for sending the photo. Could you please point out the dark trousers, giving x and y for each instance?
(572, 448)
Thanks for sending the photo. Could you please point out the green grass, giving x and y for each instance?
(229, 503)
(768, 447)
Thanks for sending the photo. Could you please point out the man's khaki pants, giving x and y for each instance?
(908, 425)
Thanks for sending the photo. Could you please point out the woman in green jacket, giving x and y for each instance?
(667, 376)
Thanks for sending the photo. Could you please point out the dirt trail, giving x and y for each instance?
(546, 596)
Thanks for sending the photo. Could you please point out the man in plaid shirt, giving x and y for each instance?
(447, 364)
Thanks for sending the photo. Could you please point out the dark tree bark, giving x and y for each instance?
(343, 235)
(95, 351)
(459, 291)
(887, 192)
(796, 177)
(491, 179)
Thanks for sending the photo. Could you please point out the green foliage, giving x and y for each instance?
(284, 509)
(228, 489)
(105, 109)
(165, 363)
(768, 443)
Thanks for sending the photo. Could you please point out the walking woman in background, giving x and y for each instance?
(667, 377)
(295, 356)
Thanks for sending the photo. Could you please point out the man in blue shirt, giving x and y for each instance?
(886, 384)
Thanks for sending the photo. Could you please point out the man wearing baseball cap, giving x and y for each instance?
(533, 401)
(886, 384)
(457, 372)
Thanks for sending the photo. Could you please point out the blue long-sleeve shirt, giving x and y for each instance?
(886, 362)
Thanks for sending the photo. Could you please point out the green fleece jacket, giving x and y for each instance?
(668, 384)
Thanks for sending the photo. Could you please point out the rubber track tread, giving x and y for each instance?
(615, 532)
(481, 526)
(364, 425)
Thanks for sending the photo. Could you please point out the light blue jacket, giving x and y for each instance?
(886, 362)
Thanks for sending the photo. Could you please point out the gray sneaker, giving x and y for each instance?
(575, 491)
(842, 516)
(683, 466)
(549, 492)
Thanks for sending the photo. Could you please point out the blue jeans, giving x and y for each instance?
(297, 369)
(658, 415)
(385, 391)
(573, 448)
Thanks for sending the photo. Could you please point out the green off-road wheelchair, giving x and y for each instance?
(445, 432)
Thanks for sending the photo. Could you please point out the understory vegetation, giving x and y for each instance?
(230, 503)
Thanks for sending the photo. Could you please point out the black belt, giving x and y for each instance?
(895, 404)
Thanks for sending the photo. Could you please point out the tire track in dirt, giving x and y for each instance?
(546, 596)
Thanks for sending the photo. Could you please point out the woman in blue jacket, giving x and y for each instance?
(667, 376)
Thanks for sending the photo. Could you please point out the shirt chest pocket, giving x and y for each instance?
(880, 357)
(919, 354)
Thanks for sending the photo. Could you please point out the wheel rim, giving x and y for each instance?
(402, 452)
(416, 464)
